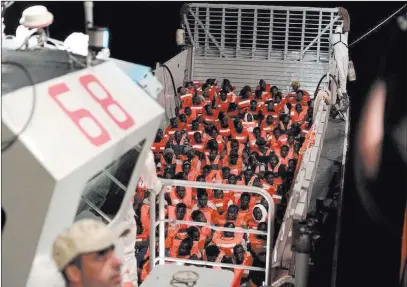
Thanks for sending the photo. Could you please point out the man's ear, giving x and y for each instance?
(371, 130)
(74, 274)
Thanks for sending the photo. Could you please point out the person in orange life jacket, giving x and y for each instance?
(273, 91)
(225, 174)
(212, 253)
(255, 135)
(229, 216)
(234, 144)
(233, 161)
(190, 116)
(259, 214)
(206, 94)
(253, 108)
(209, 115)
(213, 159)
(227, 240)
(223, 126)
(182, 121)
(268, 126)
(213, 134)
(197, 143)
(221, 200)
(168, 158)
(244, 208)
(257, 242)
(180, 214)
(233, 110)
(298, 115)
(239, 132)
(270, 110)
(185, 247)
(261, 148)
(177, 139)
(222, 102)
(244, 99)
(260, 99)
(204, 205)
(242, 257)
(247, 176)
(172, 127)
(160, 142)
(180, 194)
(277, 139)
(206, 232)
(185, 97)
(197, 104)
(283, 155)
(286, 124)
(195, 127)
(274, 164)
(296, 150)
(248, 122)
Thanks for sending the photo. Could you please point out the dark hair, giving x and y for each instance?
(181, 205)
(212, 250)
(201, 192)
(191, 230)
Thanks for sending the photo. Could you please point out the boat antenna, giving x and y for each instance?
(88, 5)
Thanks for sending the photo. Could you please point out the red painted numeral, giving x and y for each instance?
(107, 102)
(78, 115)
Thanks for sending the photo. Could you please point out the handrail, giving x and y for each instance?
(195, 184)
(214, 264)
(98, 211)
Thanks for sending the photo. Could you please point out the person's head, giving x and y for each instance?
(292, 164)
(186, 167)
(232, 179)
(234, 144)
(208, 109)
(180, 211)
(229, 234)
(196, 101)
(253, 104)
(286, 119)
(157, 157)
(212, 145)
(262, 227)
(298, 108)
(168, 173)
(222, 116)
(214, 132)
(258, 94)
(200, 178)
(193, 233)
(245, 92)
(284, 151)
(262, 85)
(269, 120)
(291, 139)
(238, 126)
(257, 132)
(84, 253)
(210, 82)
(278, 97)
(273, 90)
(223, 95)
(174, 123)
(213, 154)
(277, 132)
(218, 193)
(257, 182)
(269, 176)
(182, 91)
(261, 143)
(244, 200)
(297, 147)
(227, 260)
(198, 137)
(168, 154)
(225, 172)
(185, 247)
(180, 191)
(205, 90)
(195, 125)
(159, 135)
(249, 118)
(177, 136)
(202, 197)
(257, 213)
(299, 95)
(274, 160)
(188, 111)
(206, 170)
(295, 85)
(238, 253)
(212, 253)
(270, 106)
(232, 212)
(198, 216)
(233, 157)
(248, 174)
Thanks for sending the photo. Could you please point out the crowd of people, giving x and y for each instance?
(254, 138)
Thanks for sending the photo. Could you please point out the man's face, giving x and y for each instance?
(270, 106)
(232, 179)
(269, 178)
(277, 99)
(291, 139)
(232, 213)
(214, 133)
(262, 85)
(239, 126)
(248, 174)
(269, 120)
(284, 151)
(177, 136)
(196, 234)
(257, 213)
(234, 144)
(256, 133)
(286, 120)
(201, 218)
(174, 124)
(184, 249)
(233, 159)
(160, 134)
(195, 100)
(180, 190)
(223, 96)
(203, 201)
(244, 202)
(277, 133)
(188, 111)
(218, 193)
(274, 91)
(274, 160)
(195, 126)
(264, 202)
(239, 254)
(225, 173)
(205, 92)
(206, 170)
(297, 147)
(157, 157)
(101, 269)
(298, 96)
(208, 109)
(197, 137)
(168, 156)
(186, 168)
(213, 154)
(253, 105)
(182, 118)
(249, 118)
(180, 213)
(256, 182)
(211, 258)
(298, 108)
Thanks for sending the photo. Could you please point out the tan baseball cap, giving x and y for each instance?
(84, 236)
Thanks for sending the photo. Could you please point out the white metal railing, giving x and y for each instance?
(271, 32)
(161, 225)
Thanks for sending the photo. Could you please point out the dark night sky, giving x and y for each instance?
(144, 33)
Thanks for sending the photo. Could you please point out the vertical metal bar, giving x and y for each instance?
(287, 26)
(192, 63)
(270, 46)
(207, 28)
(303, 32)
(196, 31)
(189, 30)
(254, 33)
(222, 35)
(319, 39)
(161, 226)
(239, 30)
(152, 230)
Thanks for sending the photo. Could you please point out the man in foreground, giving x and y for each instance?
(84, 253)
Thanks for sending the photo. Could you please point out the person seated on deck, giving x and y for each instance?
(222, 102)
(274, 165)
(233, 110)
(181, 194)
(212, 253)
(260, 98)
(221, 200)
(213, 160)
(257, 242)
(282, 154)
(197, 104)
(185, 97)
(229, 216)
(172, 127)
(195, 127)
(269, 184)
(277, 139)
(246, 205)
(225, 173)
(207, 95)
(195, 234)
(202, 204)
(273, 91)
(214, 134)
(249, 123)
(197, 142)
(233, 161)
(190, 116)
(279, 103)
(234, 144)
(298, 114)
(224, 125)
(242, 257)
(168, 158)
(296, 150)
(299, 98)
(159, 142)
(247, 175)
(178, 139)
(227, 240)
(206, 232)
(255, 135)
(185, 249)
(244, 99)
(229, 89)
(252, 220)
(261, 148)
(295, 85)
(239, 132)
(209, 115)
(254, 108)
(286, 124)
(268, 126)
(178, 212)
(269, 110)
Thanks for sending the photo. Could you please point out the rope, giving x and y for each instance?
(382, 23)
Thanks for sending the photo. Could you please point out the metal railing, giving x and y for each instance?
(259, 31)
(161, 225)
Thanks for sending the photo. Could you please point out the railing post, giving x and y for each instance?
(222, 34)
(301, 246)
(152, 240)
(319, 38)
(206, 27)
(287, 26)
(161, 226)
(270, 45)
(303, 32)
(239, 30)
(254, 33)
